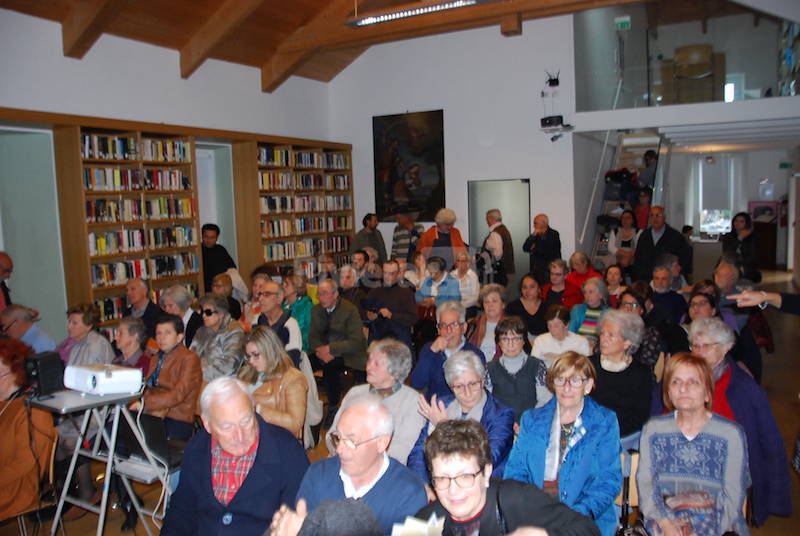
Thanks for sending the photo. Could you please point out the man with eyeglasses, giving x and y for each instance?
(428, 375)
(361, 470)
(16, 321)
(559, 291)
(237, 471)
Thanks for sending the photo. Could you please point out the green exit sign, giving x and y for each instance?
(623, 22)
(785, 165)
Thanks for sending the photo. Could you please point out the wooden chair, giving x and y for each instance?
(629, 495)
(50, 468)
(659, 367)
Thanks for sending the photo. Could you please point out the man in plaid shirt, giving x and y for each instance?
(237, 472)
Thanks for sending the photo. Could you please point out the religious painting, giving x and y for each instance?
(409, 164)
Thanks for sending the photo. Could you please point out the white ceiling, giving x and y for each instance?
(734, 136)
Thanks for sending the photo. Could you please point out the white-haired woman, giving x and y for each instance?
(388, 365)
(443, 239)
(623, 384)
(177, 300)
(584, 316)
(464, 372)
(278, 388)
(219, 341)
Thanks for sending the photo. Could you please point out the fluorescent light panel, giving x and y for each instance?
(425, 9)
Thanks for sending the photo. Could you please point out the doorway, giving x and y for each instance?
(512, 198)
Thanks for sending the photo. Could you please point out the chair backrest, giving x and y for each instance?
(633, 492)
(659, 367)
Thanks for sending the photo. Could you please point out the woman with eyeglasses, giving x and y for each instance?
(736, 396)
(570, 446)
(219, 341)
(651, 346)
(693, 475)
(465, 373)
(517, 379)
(459, 460)
(279, 389)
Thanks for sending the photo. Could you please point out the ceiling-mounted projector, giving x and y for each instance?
(103, 379)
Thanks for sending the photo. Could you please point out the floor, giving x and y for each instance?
(781, 374)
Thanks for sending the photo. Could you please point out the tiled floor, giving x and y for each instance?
(781, 381)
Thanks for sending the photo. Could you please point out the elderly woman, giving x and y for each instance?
(388, 365)
(468, 283)
(570, 446)
(529, 306)
(693, 473)
(459, 461)
(130, 338)
(222, 284)
(177, 300)
(560, 291)
(481, 329)
(583, 317)
(580, 269)
(84, 345)
(738, 397)
(442, 240)
(219, 341)
(558, 338)
(465, 373)
(279, 389)
(623, 385)
(517, 379)
(439, 286)
(296, 301)
(28, 434)
(651, 346)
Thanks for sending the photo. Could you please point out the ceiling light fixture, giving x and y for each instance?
(410, 10)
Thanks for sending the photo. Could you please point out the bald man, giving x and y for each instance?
(140, 306)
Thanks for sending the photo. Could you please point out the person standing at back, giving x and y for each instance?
(216, 259)
(370, 237)
(543, 246)
(498, 250)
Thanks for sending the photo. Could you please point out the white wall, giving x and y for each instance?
(587, 151)
(123, 79)
(488, 86)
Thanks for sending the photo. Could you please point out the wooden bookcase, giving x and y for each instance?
(128, 208)
(299, 197)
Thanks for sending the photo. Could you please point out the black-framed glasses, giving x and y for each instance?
(265, 293)
(509, 340)
(337, 439)
(561, 381)
(447, 327)
(462, 481)
(209, 312)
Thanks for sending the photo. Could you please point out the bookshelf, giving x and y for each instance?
(128, 208)
(299, 197)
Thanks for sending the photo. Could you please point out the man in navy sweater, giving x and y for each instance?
(360, 470)
(237, 472)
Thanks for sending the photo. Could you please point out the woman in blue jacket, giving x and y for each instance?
(464, 372)
(570, 447)
(439, 286)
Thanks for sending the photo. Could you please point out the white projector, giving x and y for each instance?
(103, 379)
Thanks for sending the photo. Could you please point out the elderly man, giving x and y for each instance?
(280, 321)
(391, 309)
(543, 246)
(140, 306)
(428, 375)
(6, 268)
(658, 239)
(237, 471)
(350, 287)
(16, 321)
(177, 300)
(497, 252)
(362, 470)
(336, 337)
(664, 297)
(443, 239)
(405, 236)
(369, 236)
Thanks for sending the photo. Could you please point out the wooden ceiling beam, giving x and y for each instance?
(86, 22)
(280, 67)
(200, 45)
(511, 25)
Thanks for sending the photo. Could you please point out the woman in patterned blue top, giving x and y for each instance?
(693, 472)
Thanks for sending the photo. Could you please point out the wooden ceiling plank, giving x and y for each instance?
(280, 67)
(200, 45)
(86, 22)
(511, 25)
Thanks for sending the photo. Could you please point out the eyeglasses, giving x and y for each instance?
(209, 312)
(561, 381)
(703, 347)
(447, 327)
(465, 387)
(509, 340)
(265, 293)
(462, 481)
(4, 329)
(336, 439)
(630, 305)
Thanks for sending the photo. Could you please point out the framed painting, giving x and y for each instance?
(409, 164)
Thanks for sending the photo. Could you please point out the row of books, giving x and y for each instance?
(309, 203)
(281, 251)
(277, 204)
(179, 236)
(108, 147)
(164, 208)
(158, 266)
(113, 210)
(166, 179)
(310, 224)
(111, 243)
(276, 228)
(158, 150)
(307, 159)
(309, 181)
(338, 202)
(336, 160)
(275, 180)
(337, 182)
(284, 180)
(273, 156)
(337, 244)
(132, 179)
(340, 223)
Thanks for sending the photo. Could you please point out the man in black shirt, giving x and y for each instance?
(216, 259)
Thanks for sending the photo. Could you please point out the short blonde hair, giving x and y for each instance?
(570, 360)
